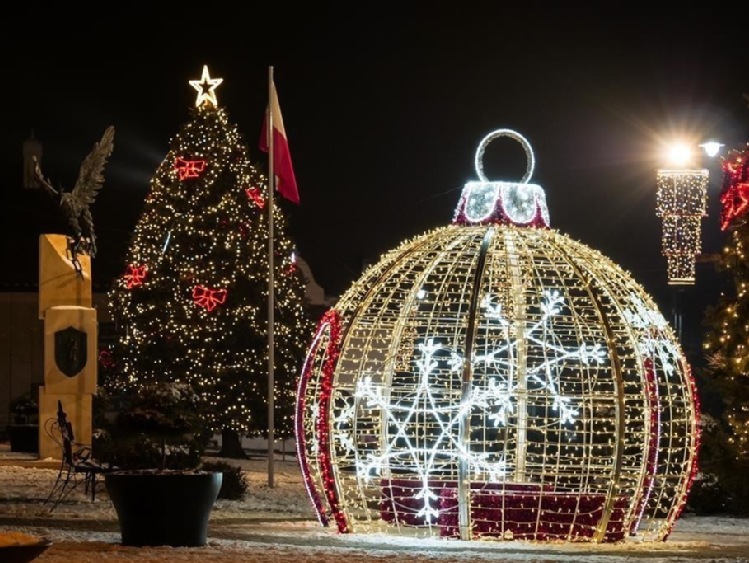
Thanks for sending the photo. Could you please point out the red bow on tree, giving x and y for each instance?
(135, 275)
(188, 168)
(105, 359)
(735, 195)
(208, 298)
(256, 196)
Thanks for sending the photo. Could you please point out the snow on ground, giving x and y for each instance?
(278, 525)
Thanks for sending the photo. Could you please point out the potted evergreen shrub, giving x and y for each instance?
(160, 493)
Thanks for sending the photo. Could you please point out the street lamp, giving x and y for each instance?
(681, 202)
(711, 148)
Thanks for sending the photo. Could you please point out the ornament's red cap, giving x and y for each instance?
(484, 202)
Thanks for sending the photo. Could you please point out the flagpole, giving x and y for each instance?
(271, 291)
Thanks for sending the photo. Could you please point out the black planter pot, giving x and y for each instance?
(163, 508)
(24, 437)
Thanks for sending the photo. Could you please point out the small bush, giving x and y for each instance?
(155, 426)
(707, 496)
(234, 484)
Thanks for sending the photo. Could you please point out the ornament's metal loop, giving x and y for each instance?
(531, 163)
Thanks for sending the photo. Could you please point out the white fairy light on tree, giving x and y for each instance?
(495, 379)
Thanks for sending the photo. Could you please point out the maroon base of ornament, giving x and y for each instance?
(510, 511)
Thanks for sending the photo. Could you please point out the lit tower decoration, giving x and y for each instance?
(681, 202)
(493, 378)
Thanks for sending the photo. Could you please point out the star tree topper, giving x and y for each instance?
(206, 88)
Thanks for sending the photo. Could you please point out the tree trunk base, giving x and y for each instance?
(231, 445)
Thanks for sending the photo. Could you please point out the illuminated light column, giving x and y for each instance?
(681, 202)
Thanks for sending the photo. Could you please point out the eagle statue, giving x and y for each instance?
(76, 203)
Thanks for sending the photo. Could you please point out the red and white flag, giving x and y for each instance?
(279, 149)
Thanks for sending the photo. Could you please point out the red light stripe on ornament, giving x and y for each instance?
(301, 406)
(697, 442)
(321, 424)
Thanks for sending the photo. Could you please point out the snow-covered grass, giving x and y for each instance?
(278, 524)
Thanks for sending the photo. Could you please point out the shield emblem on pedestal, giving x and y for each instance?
(70, 350)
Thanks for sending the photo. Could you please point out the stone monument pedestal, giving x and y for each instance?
(70, 341)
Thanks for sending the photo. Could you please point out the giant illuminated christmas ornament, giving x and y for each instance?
(495, 379)
(681, 201)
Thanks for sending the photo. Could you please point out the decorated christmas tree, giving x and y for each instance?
(726, 453)
(192, 303)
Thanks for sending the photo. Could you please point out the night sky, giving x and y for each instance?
(384, 108)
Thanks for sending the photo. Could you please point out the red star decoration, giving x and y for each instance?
(735, 203)
(735, 196)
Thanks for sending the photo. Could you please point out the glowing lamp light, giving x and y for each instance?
(711, 148)
(495, 379)
(679, 154)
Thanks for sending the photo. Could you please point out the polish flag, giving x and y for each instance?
(279, 150)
